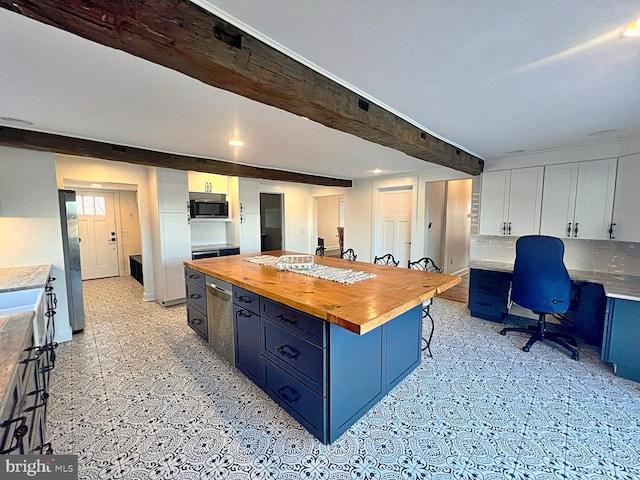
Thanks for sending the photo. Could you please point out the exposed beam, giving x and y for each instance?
(182, 36)
(14, 137)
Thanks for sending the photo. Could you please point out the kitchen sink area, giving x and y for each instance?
(15, 301)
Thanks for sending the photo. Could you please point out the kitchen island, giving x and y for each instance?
(325, 351)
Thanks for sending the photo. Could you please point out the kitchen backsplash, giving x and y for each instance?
(208, 232)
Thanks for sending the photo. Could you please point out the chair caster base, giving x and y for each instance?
(503, 332)
(525, 348)
(575, 356)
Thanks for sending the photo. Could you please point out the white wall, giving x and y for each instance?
(84, 169)
(30, 231)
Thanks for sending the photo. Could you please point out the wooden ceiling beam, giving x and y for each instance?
(18, 138)
(182, 36)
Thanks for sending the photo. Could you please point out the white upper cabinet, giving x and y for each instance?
(578, 199)
(511, 202)
(626, 223)
(208, 183)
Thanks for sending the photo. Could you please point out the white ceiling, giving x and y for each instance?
(491, 77)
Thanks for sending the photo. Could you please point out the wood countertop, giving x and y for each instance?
(360, 307)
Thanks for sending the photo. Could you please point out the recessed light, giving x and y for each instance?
(633, 29)
(602, 132)
(16, 121)
(376, 171)
(236, 143)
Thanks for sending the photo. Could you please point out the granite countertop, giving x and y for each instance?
(359, 307)
(22, 278)
(615, 285)
(15, 331)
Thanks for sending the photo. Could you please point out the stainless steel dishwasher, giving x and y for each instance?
(220, 317)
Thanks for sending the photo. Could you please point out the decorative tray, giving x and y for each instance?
(294, 262)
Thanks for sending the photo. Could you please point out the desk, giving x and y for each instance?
(621, 317)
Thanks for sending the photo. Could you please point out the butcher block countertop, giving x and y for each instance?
(359, 307)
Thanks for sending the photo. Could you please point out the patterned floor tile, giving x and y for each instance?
(146, 403)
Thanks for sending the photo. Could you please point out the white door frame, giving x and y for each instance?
(379, 187)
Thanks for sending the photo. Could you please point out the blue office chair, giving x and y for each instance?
(541, 283)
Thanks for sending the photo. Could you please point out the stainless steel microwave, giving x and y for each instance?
(202, 205)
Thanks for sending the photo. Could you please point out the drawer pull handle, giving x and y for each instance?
(287, 320)
(194, 277)
(244, 313)
(195, 296)
(244, 299)
(288, 394)
(484, 304)
(288, 351)
(196, 321)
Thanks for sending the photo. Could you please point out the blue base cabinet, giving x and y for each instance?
(323, 375)
(622, 337)
(488, 294)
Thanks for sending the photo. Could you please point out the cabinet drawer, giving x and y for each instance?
(197, 320)
(486, 306)
(311, 328)
(296, 355)
(300, 401)
(491, 288)
(246, 299)
(488, 276)
(192, 275)
(196, 295)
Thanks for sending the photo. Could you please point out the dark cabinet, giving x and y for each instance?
(622, 337)
(246, 326)
(195, 288)
(488, 294)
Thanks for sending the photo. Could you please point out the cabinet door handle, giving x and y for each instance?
(288, 351)
(611, 237)
(569, 229)
(288, 394)
(509, 229)
(504, 228)
(575, 230)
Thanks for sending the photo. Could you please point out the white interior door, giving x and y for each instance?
(395, 224)
(97, 231)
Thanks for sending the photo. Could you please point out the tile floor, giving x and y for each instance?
(138, 395)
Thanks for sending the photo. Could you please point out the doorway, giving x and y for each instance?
(448, 224)
(329, 217)
(271, 221)
(97, 234)
(393, 232)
